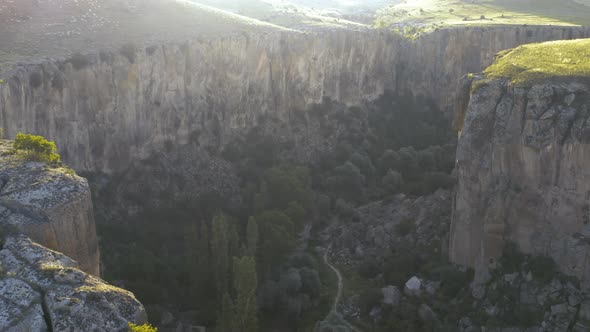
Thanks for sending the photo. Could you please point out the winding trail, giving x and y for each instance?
(334, 315)
(340, 283)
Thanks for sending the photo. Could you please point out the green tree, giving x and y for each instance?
(233, 239)
(276, 238)
(252, 237)
(203, 254)
(408, 164)
(392, 182)
(245, 283)
(220, 253)
(389, 160)
(347, 181)
(226, 317)
(296, 212)
(287, 184)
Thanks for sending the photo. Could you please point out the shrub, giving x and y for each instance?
(105, 57)
(79, 61)
(405, 227)
(369, 268)
(58, 82)
(452, 279)
(1, 133)
(142, 328)
(35, 80)
(370, 298)
(392, 182)
(543, 269)
(36, 148)
(512, 258)
(150, 50)
(129, 51)
(400, 267)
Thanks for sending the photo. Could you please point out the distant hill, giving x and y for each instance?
(34, 29)
(429, 14)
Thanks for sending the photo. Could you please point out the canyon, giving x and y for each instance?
(112, 111)
(156, 124)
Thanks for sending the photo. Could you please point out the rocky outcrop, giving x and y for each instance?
(44, 207)
(42, 290)
(522, 165)
(400, 224)
(52, 206)
(106, 110)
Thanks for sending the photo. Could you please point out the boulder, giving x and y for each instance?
(584, 312)
(478, 291)
(432, 287)
(413, 286)
(426, 314)
(40, 287)
(559, 309)
(391, 295)
(20, 303)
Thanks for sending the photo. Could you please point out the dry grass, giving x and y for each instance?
(35, 29)
(430, 14)
(529, 64)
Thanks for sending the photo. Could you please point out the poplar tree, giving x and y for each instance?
(220, 254)
(245, 283)
(226, 316)
(252, 237)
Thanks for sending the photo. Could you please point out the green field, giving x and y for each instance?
(430, 14)
(532, 63)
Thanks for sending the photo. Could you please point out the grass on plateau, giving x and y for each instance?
(431, 14)
(532, 63)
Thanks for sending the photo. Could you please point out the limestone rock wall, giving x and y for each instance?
(42, 290)
(52, 206)
(523, 176)
(43, 209)
(110, 109)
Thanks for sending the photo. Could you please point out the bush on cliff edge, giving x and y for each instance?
(142, 328)
(36, 148)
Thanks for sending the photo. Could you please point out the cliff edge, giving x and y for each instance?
(43, 207)
(52, 206)
(522, 160)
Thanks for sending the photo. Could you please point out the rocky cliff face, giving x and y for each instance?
(106, 110)
(40, 289)
(52, 206)
(522, 163)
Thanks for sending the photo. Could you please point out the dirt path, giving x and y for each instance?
(340, 284)
(333, 315)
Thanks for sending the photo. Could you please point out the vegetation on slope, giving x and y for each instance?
(532, 63)
(424, 15)
(178, 259)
